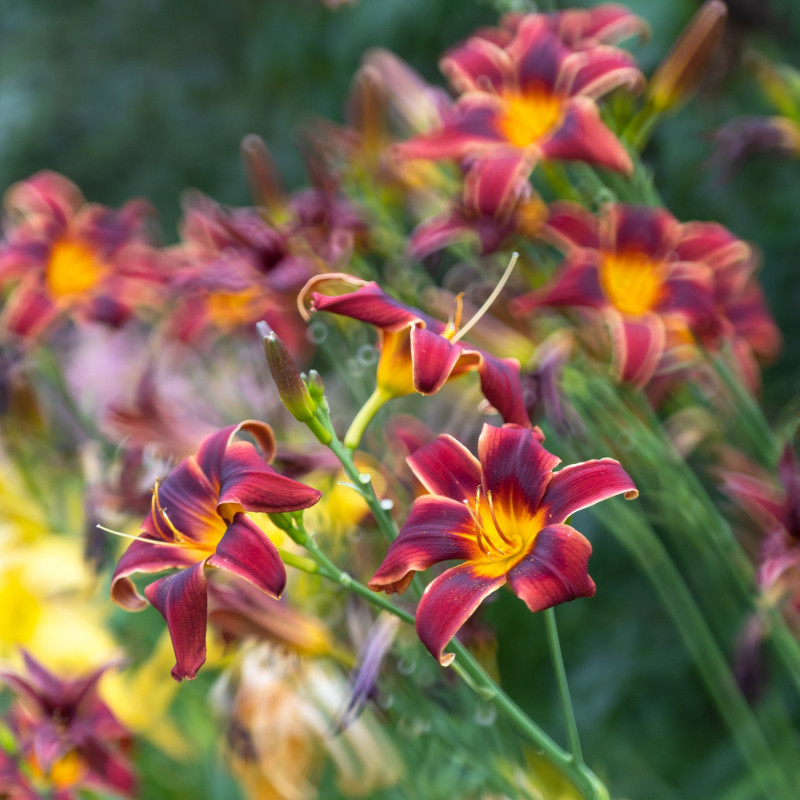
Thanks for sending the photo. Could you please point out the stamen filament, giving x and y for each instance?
(176, 534)
(496, 523)
(140, 538)
(489, 300)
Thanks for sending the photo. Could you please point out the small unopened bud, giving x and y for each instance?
(291, 388)
(316, 387)
(684, 67)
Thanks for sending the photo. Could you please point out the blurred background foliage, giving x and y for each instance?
(149, 97)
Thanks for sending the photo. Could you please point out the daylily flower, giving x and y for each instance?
(532, 99)
(626, 265)
(503, 515)
(497, 204)
(417, 353)
(69, 736)
(198, 520)
(235, 270)
(66, 256)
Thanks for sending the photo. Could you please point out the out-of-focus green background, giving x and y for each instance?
(149, 97)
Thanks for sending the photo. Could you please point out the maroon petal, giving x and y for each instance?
(493, 186)
(581, 485)
(211, 452)
(470, 129)
(578, 284)
(555, 570)
(570, 225)
(477, 65)
(751, 319)
(112, 768)
(542, 59)
(445, 467)
(516, 467)
(145, 558)
(502, 387)
(583, 136)
(688, 291)
(369, 304)
(248, 483)
(646, 229)
(181, 599)
(448, 602)
(447, 229)
(605, 69)
(187, 502)
(437, 529)
(638, 345)
(28, 310)
(246, 551)
(433, 358)
(608, 22)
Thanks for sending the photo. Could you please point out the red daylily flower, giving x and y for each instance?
(198, 520)
(503, 516)
(417, 353)
(66, 256)
(67, 734)
(626, 264)
(532, 98)
(497, 203)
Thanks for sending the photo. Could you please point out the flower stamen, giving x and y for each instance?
(489, 300)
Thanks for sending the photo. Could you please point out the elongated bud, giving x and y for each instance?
(262, 176)
(291, 388)
(684, 67)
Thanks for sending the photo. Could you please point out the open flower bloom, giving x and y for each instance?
(197, 520)
(235, 269)
(64, 255)
(626, 265)
(502, 515)
(496, 205)
(417, 352)
(67, 734)
(531, 99)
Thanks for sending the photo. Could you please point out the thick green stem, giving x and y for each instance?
(365, 415)
(563, 687)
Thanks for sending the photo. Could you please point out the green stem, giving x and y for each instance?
(365, 415)
(750, 418)
(709, 535)
(645, 547)
(589, 785)
(473, 674)
(563, 686)
(365, 488)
